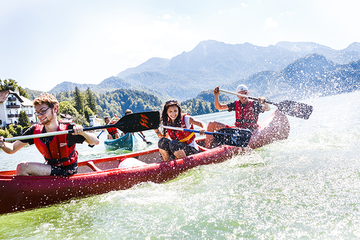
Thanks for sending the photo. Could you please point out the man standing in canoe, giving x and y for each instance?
(59, 151)
(246, 112)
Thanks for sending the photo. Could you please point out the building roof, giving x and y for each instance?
(5, 94)
(26, 102)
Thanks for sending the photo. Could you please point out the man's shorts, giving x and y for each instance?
(64, 170)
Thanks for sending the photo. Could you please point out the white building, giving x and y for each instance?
(11, 103)
(95, 121)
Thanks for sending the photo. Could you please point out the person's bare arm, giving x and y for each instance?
(218, 105)
(11, 148)
(198, 123)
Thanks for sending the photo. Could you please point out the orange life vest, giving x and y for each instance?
(57, 151)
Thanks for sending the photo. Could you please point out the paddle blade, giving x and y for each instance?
(137, 122)
(233, 136)
(295, 109)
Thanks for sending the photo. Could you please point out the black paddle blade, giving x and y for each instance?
(137, 122)
(233, 136)
(295, 109)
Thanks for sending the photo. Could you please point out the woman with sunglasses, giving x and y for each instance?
(59, 151)
(181, 143)
(246, 112)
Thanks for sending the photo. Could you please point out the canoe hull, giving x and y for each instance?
(19, 193)
(274, 128)
(125, 142)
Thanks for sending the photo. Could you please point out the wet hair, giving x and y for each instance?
(164, 116)
(46, 98)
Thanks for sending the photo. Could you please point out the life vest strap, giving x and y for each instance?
(60, 161)
(187, 138)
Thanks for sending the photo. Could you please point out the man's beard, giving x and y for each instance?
(48, 119)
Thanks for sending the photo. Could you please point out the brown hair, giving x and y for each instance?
(164, 116)
(46, 98)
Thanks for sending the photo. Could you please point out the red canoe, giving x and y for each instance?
(99, 176)
(103, 175)
(275, 127)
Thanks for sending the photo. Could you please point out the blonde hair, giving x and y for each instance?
(46, 98)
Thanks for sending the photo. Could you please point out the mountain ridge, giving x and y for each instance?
(213, 63)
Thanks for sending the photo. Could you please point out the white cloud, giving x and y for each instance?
(270, 23)
(166, 16)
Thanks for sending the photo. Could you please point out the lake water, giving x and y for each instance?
(305, 187)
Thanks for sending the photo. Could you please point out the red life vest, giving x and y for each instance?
(245, 117)
(112, 131)
(182, 136)
(56, 152)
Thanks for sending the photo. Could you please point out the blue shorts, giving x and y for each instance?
(64, 170)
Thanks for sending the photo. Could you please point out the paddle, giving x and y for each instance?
(228, 136)
(147, 142)
(291, 108)
(98, 136)
(135, 122)
(106, 124)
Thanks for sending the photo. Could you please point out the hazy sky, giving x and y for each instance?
(46, 42)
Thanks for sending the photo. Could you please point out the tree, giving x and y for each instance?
(19, 130)
(66, 107)
(11, 84)
(23, 92)
(90, 100)
(23, 119)
(11, 129)
(79, 101)
(5, 133)
(81, 120)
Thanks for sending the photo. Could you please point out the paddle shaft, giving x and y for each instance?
(135, 122)
(195, 131)
(103, 129)
(242, 95)
(238, 137)
(144, 139)
(98, 136)
(49, 134)
(291, 108)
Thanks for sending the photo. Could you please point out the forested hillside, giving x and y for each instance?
(116, 102)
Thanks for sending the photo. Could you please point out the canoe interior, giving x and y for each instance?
(103, 164)
(146, 156)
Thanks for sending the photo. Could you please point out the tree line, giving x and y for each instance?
(81, 105)
(118, 101)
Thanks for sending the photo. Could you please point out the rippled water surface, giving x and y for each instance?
(305, 187)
